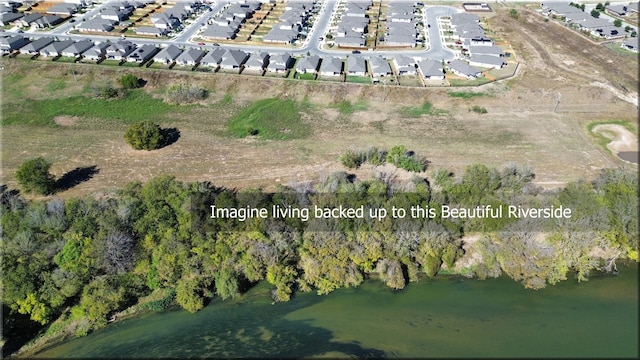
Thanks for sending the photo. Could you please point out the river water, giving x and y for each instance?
(444, 317)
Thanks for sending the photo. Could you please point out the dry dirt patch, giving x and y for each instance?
(622, 139)
(64, 120)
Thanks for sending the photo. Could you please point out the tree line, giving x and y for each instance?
(87, 258)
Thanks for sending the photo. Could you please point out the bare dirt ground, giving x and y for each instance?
(622, 139)
(525, 122)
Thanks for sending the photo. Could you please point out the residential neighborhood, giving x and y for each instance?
(357, 40)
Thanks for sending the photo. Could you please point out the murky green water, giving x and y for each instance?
(445, 317)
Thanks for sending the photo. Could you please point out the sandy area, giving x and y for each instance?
(622, 139)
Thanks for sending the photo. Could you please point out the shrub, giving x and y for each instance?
(400, 157)
(105, 92)
(129, 81)
(513, 13)
(34, 176)
(352, 159)
(145, 135)
(185, 94)
(478, 109)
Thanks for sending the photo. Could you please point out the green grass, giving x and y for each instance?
(466, 94)
(307, 76)
(426, 109)
(463, 82)
(478, 109)
(345, 107)
(359, 79)
(136, 106)
(270, 119)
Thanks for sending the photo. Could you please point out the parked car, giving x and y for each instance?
(200, 43)
(355, 52)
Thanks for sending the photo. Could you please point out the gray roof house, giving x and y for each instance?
(213, 58)
(233, 59)
(404, 65)
(27, 20)
(142, 53)
(380, 66)
(35, 46)
(55, 48)
(190, 56)
(219, 32)
(356, 65)
(48, 21)
(486, 61)
(11, 43)
(308, 64)
(431, 69)
(279, 62)
(463, 69)
(63, 9)
(282, 36)
(331, 66)
(77, 48)
(7, 18)
(486, 50)
(96, 24)
(97, 52)
(120, 50)
(150, 30)
(168, 54)
(257, 62)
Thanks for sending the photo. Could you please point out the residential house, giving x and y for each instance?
(120, 50)
(213, 58)
(219, 32)
(356, 66)
(308, 64)
(616, 10)
(97, 52)
(63, 9)
(279, 63)
(48, 21)
(404, 65)
(11, 43)
(190, 57)
(486, 50)
(27, 20)
(8, 18)
(431, 69)
(168, 55)
(55, 48)
(35, 46)
(96, 25)
(331, 66)
(486, 61)
(380, 66)
(142, 53)
(150, 31)
(256, 62)
(463, 69)
(77, 48)
(233, 59)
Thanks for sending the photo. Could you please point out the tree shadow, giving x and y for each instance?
(169, 136)
(75, 177)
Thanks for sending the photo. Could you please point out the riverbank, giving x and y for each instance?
(446, 316)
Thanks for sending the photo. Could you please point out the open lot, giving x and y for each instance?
(520, 124)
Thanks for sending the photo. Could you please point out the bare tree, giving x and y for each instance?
(119, 254)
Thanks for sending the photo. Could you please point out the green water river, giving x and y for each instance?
(444, 317)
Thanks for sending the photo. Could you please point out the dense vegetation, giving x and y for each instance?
(84, 259)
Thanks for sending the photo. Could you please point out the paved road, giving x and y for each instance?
(311, 45)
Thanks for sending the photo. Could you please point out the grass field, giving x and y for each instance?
(320, 120)
(270, 119)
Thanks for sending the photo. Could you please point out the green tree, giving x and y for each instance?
(34, 176)
(595, 13)
(129, 81)
(617, 23)
(145, 135)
